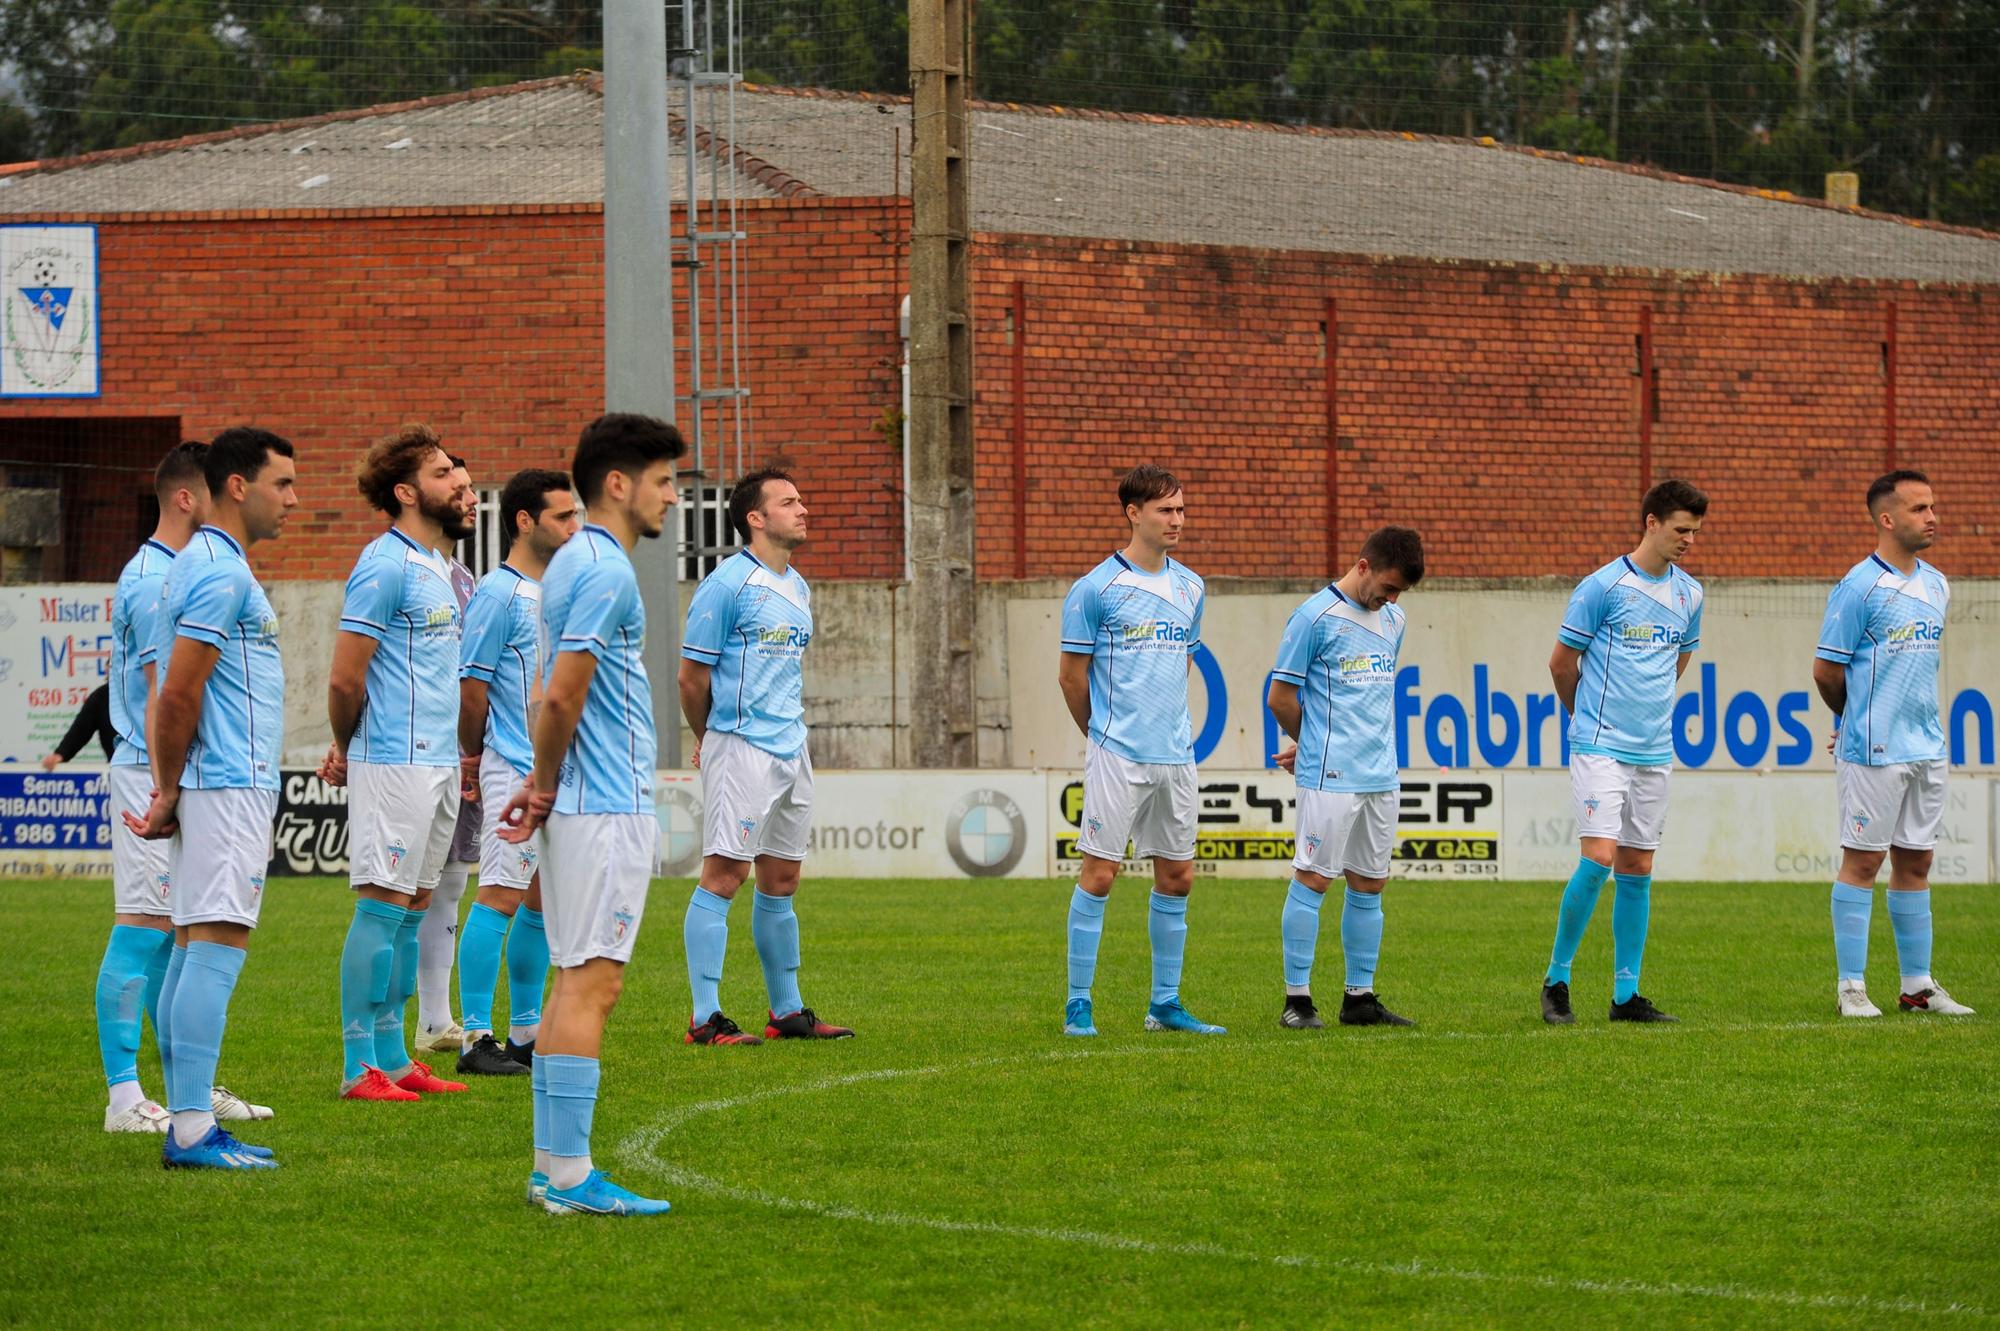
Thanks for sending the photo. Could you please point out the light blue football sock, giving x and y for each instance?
(156, 976)
(1852, 907)
(366, 959)
(1166, 923)
(1579, 900)
(163, 1013)
(121, 998)
(1361, 936)
(571, 1092)
(1298, 926)
(527, 967)
(774, 927)
(1631, 908)
(1086, 932)
(201, 1014)
(479, 945)
(705, 933)
(1910, 918)
(392, 1054)
(538, 1086)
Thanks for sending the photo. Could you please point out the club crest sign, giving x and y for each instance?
(49, 324)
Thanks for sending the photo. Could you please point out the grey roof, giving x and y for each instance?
(1038, 171)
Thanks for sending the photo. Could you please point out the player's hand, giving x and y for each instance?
(159, 822)
(525, 811)
(1832, 740)
(468, 777)
(1286, 757)
(694, 759)
(333, 767)
(51, 761)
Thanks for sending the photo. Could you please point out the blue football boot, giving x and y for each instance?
(1077, 1019)
(1171, 1016)
(598, 1195)
(538, 1187)
(218, 1150)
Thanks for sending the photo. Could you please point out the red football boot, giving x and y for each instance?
(803, 1025)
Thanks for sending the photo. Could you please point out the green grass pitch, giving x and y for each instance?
(961, 1164)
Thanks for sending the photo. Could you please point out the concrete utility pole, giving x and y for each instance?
(638, 307)
(943, 723)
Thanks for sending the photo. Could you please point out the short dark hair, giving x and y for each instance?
(748, 495)
(458, 462)
(1885, 485)
(182, 464)
(526, 492)
(241, 450)
(394, 461)
(1671, 497)
(621, 441)
(1145, 483)
(1397, 548)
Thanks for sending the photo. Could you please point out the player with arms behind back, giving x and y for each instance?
(1877, 668)
(741, 682)
(592, 785)
(1625, 639)
(1333, 691)
(218, 729)
(1129, 630)
(499, 685)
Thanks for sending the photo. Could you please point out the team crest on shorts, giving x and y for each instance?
(1096, 826)
(527, 854)
(396, 852)
(744, 827)
(1590, 807)
(1860, 823)
(1312, 845)
(620, 922)
(166, 885)
(257, 885)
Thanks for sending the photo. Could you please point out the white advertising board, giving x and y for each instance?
(55, 647)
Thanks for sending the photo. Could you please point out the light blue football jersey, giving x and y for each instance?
(752, 626)
(502, 646)
(400, 594)
(1888, 630)
(212, 597)
(1343, 660)
(1138, 629)
(135, 626)
(1632, 631)
(590, 603)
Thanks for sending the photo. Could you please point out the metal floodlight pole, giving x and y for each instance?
(638, 305)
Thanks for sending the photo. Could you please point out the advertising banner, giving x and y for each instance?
(1447, 826)
(54, 824)
(55, 647)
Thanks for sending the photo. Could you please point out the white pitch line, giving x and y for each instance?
(640, 1148)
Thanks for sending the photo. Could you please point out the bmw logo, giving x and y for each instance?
(986, 834)
(678, 809)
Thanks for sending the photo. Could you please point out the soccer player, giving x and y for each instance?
(142, 928)
(592, 786)
(740, 684)
(437, 936)
(1624, 641)
(1877, 668)
(393, 706)
(218, 727)
(1334, 692)
(1129, 630)
(499, 688)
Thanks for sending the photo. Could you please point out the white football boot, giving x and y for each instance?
(1921, 994)
(442, 1039)
(229, 1107)
(1851, 997)
(144, 1116)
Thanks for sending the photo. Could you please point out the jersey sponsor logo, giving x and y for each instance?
(1157, 631)
(1920, 632)
(784, 635)
(440, 616)
(1651, 635)
(1368, 663)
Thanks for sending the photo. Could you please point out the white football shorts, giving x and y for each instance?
(1342, 832)
(1899, 804)
(596, 868)
(399, 824)
(1618, 801)
(752, 802)
(503, 863)
(219, 856)
(140, 879)
(1151, 805)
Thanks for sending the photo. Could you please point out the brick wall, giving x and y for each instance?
(1495, 407)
